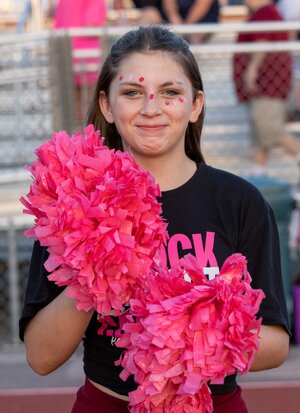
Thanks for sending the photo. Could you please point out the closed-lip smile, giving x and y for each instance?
(150, 127)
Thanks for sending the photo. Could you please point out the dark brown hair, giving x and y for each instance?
(141, 40)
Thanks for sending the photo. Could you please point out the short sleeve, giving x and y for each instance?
(267, 13)
(39, 290)
(260, 244)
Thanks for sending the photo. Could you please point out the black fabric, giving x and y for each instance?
(39, 291)
(139, 4)
(184, 6)
(212, 15)
(157, 4)
(213, 215)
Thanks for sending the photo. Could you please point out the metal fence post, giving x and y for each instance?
(62, 85)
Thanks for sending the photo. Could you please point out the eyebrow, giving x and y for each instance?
(131, 84)
(137, 84)
(177, 82)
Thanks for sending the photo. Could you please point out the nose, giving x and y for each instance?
(151, 105)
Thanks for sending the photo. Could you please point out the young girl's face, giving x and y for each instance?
(151, 103)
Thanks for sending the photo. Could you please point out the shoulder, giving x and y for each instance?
(232, 189)
(266, 13)
(228, 180)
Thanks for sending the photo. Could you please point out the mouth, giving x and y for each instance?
(151, 128)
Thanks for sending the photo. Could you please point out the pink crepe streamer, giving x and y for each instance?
(182, 335)
(97, 212)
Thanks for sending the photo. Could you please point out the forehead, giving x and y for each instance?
(162, 64)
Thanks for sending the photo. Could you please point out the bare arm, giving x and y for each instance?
(198, 11)
(171, 9)
(50, 8)
(273, 349)
(53, 335)
(251, 73)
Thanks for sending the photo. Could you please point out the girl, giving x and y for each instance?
(149, 101)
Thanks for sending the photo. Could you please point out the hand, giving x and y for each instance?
(250, 78)
(251, 74)
(175, 18)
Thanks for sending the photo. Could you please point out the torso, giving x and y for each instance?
(108, 391)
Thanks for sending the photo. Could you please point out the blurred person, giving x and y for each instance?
(150, 10)
(24, 17)
(24, 24)
(176, 12)
(263, 79)
(290, 10)
(82, 13)
(192, 12)
(26, 13)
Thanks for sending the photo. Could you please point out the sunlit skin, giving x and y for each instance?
(151, 106)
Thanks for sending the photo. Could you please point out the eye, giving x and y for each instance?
(171, 92)
(131, 93)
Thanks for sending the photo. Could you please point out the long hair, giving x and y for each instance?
(142, 40)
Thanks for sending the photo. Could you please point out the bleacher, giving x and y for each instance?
(36, 99)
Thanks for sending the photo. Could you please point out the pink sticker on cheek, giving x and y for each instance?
(151, 96)
(141, 79)
(181, 100)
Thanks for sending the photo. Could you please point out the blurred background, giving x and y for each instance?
(48, 67)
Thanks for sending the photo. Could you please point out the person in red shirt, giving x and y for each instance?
(263, 80)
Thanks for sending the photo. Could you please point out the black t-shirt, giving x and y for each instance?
(212, 216)
(184, 6)
(212, 15)
(139, 4)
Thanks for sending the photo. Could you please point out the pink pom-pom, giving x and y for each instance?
(188, 333)
(97, 212)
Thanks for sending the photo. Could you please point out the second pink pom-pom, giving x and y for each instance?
(186, 334)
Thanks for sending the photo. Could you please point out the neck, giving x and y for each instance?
(259, 5)
(169, 175)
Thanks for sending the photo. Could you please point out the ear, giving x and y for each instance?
(105, 107)
(197, 107)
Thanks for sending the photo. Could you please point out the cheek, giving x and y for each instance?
(124, 116)
(177, 109)
(122, 110)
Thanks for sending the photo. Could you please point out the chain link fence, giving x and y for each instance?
(46, 86)
(15, 252)
(36, 93)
